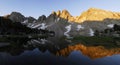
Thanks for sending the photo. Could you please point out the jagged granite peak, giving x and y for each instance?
(53, 13)
(64, 14)
(50, 20)
(16, 17)
(42, 18)
(58, 13)
(52, 16)
(30, 19)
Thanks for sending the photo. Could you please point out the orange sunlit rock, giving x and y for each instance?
(92, 14)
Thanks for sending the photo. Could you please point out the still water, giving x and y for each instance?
(55, 51)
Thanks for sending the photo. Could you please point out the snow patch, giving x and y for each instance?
(25, 21)
(35, 26)
(43, 41)
(110, 25)
(79, 27)
(91, 32)
(37, 42)
(58, 19)
(39, 26)
(34, 21)
(68, 30)
(43, 26)
(30, 25)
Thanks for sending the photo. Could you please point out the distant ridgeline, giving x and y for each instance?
(8, 27)
(63, 23)
(115, 31)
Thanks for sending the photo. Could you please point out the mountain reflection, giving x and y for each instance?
(91, 51)
(16, 46)
(56, 46)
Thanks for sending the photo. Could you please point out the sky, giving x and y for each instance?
(36, 8)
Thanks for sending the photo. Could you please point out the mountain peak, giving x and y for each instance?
(16, 16)
(63, 14)
(53, 12)
(42, 18)
(16, 13)
(58, 13)
(94, 9)
(95, 14)
(65, 11)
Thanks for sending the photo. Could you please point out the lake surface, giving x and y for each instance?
(55, 51)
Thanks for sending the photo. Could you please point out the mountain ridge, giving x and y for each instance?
(92, 14)
(64, 24)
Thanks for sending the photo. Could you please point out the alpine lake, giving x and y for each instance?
(23, 50)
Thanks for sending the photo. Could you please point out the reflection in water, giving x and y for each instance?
(91, 51)
(57, 49)
(57, 46)
(19, 45)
